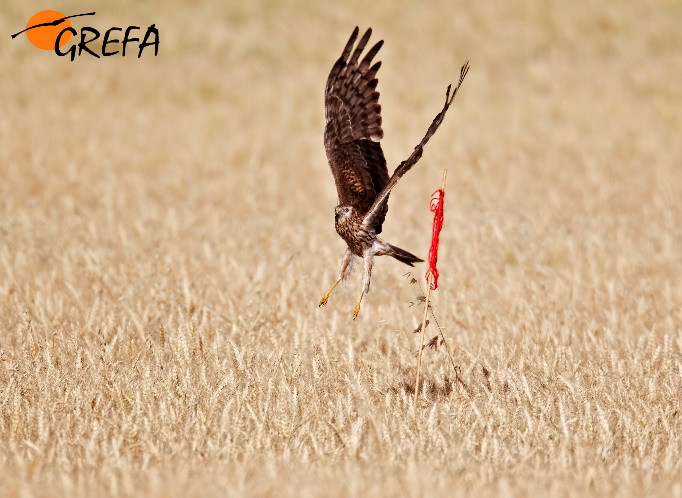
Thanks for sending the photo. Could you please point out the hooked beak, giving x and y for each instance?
(337, 211)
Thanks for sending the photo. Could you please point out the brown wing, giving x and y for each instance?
(353, 128)
(379, 207)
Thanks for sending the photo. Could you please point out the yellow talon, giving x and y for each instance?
(357, 308)
(324, 299)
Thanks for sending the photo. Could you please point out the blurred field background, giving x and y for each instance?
(166, 232)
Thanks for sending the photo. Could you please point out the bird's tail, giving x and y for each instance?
(401, 255)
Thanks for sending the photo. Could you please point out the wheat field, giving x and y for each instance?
(166, 232)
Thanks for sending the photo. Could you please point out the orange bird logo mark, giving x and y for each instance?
(44, 27)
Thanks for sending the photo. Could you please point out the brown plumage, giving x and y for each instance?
(351, 139)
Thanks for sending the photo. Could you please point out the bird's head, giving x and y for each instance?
(342, 212)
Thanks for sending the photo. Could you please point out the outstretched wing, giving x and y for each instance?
(379, 207)
(353, 128)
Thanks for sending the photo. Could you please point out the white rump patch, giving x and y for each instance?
(380, 248)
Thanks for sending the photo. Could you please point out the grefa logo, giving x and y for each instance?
(52, 30)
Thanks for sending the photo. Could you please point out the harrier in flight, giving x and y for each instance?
(351, 140)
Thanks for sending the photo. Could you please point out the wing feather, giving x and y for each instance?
(377, 211)
(353, 125)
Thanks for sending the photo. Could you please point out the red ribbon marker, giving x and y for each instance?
(436, 206)
(437, 201)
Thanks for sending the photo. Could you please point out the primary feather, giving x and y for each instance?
(353, 128)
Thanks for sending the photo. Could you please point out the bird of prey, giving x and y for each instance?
(351, 140)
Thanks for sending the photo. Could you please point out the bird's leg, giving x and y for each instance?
(368, 259)
(344, 271)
